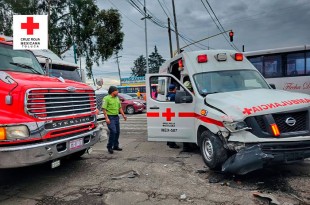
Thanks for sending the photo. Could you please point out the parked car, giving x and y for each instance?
(131, 105)
(133, 95)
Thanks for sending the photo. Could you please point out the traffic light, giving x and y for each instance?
(231, 36)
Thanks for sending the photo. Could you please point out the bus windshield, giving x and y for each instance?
(228, 81)
(18, 60)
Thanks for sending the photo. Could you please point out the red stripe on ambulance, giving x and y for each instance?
(186, 114)
(152, 114)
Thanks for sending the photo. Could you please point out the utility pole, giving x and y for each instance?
(170, 42)
(146, 53)
(119, 71)
(176, 27)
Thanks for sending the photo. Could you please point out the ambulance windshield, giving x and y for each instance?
(228, 81)
(18, 60)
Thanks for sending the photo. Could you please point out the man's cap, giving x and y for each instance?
(188, 85)
(171, 87)
(112, 89)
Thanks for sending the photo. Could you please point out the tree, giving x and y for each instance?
(155, 61)
(96, 33)
(139, 68)
(6, 19)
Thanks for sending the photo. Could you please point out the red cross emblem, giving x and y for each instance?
(247, 111)
(168, 114)
(30, 26)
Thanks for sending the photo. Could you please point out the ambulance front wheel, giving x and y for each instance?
(212, 150)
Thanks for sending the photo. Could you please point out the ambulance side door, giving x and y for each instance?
(169, 120)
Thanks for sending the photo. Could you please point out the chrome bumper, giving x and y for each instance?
(31, 154)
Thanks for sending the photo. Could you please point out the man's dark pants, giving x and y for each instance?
(114, 129)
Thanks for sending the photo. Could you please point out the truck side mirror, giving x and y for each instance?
(273, 86)
(182, 97)
(99, 82)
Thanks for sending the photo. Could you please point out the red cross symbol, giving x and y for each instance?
(247, 111)
(168, 114)
(30, 26)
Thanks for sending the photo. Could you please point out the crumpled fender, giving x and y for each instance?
(246, 160)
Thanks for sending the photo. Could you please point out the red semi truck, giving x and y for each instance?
(42, 119)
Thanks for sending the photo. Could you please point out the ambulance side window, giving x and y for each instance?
(163, 89)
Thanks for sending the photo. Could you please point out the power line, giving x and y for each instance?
(219, 22)
(216, 24)
(164, 10)
(158, 22)
(181, 35)
(125, 15)
(167, 8)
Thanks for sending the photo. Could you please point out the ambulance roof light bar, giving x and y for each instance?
(238, 56)
(202, 58)
(221, 57)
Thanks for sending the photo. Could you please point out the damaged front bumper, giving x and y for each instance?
(256, 156)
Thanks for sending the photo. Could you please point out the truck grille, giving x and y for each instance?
(52, 103)
(261, 123)
(300, 125)
(290, 124)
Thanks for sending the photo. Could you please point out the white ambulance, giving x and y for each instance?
(239, 122)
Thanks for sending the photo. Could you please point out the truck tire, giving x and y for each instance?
(130, 109)
(212, 150)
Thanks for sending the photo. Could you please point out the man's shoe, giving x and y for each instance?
(110, 150)
(117, 149)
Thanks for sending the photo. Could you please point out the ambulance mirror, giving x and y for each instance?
(181, 96)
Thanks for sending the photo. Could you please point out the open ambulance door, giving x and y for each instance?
(169, 120)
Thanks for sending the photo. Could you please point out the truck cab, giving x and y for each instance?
(236, 118)
(43, 119)
(54, 66)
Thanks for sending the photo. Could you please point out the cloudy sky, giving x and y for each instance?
(259, 24)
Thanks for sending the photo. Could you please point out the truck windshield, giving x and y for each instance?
(66, 74)
(228, 81)
(18, 60)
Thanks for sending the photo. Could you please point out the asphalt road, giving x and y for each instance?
(149, 173)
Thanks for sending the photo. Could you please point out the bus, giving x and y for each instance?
(286, 68)
(136, 88)
(131, 89)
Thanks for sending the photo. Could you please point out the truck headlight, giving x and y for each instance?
(236, 126)
(14, 132)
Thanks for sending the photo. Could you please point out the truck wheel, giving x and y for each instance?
(130, 109)
(78, 154)
(212, 150)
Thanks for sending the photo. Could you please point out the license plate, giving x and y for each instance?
(55, 164)
(75, 144)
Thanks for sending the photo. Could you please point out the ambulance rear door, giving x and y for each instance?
(169, 120)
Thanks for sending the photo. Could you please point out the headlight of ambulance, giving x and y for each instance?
(14, 132)
(236, 126)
